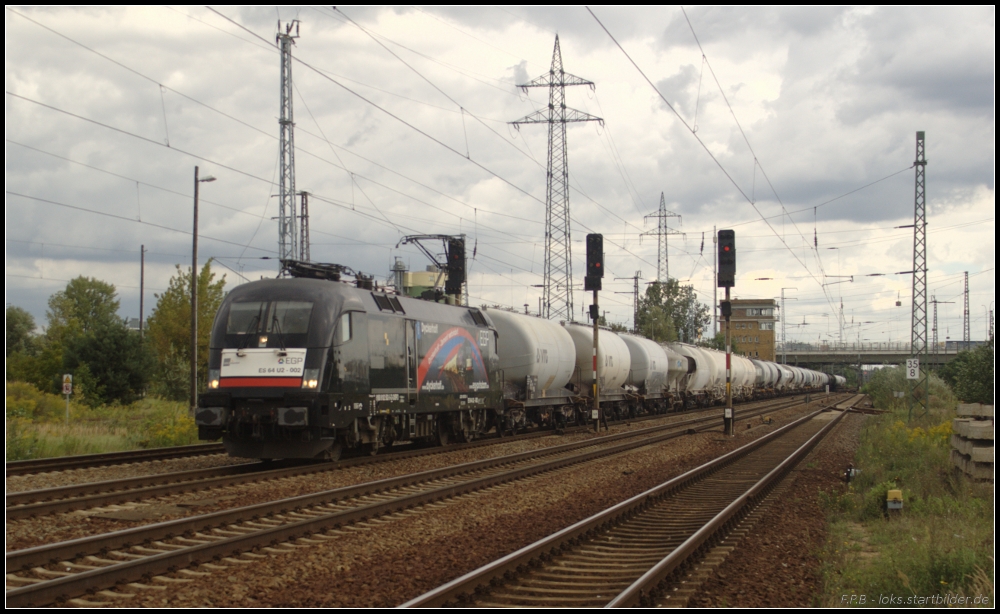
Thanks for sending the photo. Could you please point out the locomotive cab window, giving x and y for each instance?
(268, 323)
(244, 318)
(289, 317)
(345, 332)
(250, 318)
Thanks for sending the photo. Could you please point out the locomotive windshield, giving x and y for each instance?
(258, 317)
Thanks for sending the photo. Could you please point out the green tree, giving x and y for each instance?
(974, 380)
(84, 305)
(671, 312)
(20, 331)
(169, 330)
(109, 362)
(27, 355)
(718, 342)
(614, 326)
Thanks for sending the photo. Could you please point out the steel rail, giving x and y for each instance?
(41, 502)
(528, 556)
(45, 592)
(82, 461)
(63, 463)
(642, 592)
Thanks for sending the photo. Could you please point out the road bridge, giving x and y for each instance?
(873, 353)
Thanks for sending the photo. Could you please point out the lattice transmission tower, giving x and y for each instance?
(663, 230)
(919, 396)
(287, 236)
(558, 285)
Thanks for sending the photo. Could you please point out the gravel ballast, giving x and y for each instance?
(386, 562)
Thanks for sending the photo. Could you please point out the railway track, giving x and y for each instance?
(83, 461)
(629, 554)
(47, 574)
(33, 503)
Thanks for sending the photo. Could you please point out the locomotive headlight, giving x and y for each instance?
(310, 378)
(213, 378)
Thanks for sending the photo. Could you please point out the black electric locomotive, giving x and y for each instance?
(304, 368)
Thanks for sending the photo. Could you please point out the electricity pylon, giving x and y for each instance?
(558, 291)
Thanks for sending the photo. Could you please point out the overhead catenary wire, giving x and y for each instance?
(380, 197)
(707, 150)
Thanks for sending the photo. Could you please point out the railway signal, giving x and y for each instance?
(456, 266)
(595, 262)
(727, 279)
(595, 271)
(727, 258)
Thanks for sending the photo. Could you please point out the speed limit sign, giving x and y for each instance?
(912, 368)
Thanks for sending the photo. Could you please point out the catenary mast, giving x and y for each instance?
(919, 394)
(287, 236)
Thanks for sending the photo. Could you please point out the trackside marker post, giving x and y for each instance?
(67, 390)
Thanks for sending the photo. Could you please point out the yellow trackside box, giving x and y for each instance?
(894, 500)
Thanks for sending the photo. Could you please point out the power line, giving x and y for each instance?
(243, 123)
(707, 150)
(134, 221)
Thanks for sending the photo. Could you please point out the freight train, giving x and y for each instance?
(308, 368)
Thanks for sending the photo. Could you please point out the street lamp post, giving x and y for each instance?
(194, 294)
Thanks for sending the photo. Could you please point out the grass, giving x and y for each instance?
(940, 543)
(37, 428)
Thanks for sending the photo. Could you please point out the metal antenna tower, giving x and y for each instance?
(287, 239)
(663, 231)
(558, 292)
(920, 387)
(966, 334)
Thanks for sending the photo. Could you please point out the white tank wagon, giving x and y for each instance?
(718, 372)
(615, 362)
(652, 374)
(768, 376)
(702, 374)
(785, 381)
(744, 375)
(798, 378)
(650, 364)
(677, 369)
(537, 356)
(612, 355)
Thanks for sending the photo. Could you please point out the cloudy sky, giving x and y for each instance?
(794, 127)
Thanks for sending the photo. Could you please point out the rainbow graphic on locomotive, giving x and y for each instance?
(452, 362)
